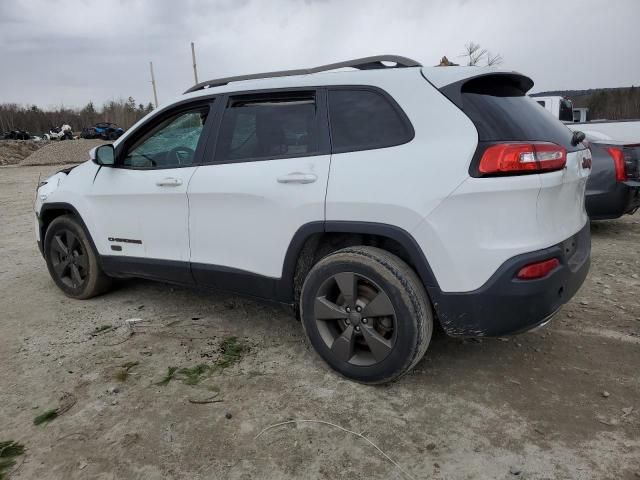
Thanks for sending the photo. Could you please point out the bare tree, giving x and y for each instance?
(493, 59)
(475, 55)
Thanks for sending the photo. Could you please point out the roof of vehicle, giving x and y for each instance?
(365, 63)
(357, 71)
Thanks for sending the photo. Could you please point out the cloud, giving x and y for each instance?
(71, 52)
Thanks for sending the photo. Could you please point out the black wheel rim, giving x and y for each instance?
(355, 318)
(69, 259)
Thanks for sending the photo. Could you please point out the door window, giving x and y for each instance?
(268, 127)
(171, 143)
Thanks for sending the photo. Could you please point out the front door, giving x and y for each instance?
(141, 204)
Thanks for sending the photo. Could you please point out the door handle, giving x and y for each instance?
(298, 177)
(169, 182)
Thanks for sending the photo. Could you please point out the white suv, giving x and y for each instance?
(377, 199)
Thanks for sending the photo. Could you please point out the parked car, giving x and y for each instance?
(17, 135)
(613, 188)
(377, 201)
(104, 130)
(65, 132)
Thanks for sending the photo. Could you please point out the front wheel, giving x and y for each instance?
(367, 314)
(71, 260)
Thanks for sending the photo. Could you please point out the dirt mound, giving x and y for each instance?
(62, 152)
(14, 151)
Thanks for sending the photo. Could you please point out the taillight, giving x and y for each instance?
(514, 158)
(538, 270)
(618, 161)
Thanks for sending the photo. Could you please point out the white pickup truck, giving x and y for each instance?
(627, 131)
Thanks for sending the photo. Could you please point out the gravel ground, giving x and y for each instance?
(62, 152)
(558, 403)
(14, 151)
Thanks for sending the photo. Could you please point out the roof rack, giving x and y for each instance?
(365, 63)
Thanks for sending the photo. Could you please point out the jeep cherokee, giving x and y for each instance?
(376, 196)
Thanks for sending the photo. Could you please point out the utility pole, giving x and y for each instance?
(153, 83)
(193, 57)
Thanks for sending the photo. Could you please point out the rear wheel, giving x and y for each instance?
(71, 260)
(366, 313)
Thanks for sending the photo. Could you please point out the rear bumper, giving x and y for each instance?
(624, 198)
(506, 305)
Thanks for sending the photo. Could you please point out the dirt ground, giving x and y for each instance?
(559, 403)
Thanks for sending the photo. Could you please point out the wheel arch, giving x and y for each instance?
(315, 240)
(50, 211)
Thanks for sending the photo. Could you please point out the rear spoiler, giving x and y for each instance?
(505, 83)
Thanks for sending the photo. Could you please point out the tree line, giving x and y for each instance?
(35, 120)
(605, 103)
(612, 103)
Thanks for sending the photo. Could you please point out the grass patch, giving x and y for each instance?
(8, 452)
(122, 374)
(46, 416)
(193, 375)
(232, 350)
(171, 372)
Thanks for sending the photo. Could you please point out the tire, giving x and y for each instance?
(399, 326)
(113, 136)
(72, 261)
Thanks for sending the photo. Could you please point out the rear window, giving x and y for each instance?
(364, 119)
(501, 111)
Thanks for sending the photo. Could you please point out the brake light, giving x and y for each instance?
(538, 270)
(513, 158)
(618, 161)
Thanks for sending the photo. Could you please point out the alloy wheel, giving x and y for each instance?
(69, 259)
(355, 318)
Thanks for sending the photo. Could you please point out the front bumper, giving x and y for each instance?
(505, 304)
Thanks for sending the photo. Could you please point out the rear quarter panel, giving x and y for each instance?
(400, 185)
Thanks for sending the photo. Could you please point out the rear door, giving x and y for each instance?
(267, 178)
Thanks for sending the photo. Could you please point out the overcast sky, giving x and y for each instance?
(69, 52)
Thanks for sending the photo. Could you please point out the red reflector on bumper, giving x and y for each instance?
(538, 270)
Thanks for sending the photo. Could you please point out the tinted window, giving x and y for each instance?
(542, 103)
(269, 127)
(501, 111)
(365, 119)
(171, 143)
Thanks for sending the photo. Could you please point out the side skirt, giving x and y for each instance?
(149, 268)
(196, 274)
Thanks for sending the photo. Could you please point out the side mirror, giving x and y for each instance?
(104, 155)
